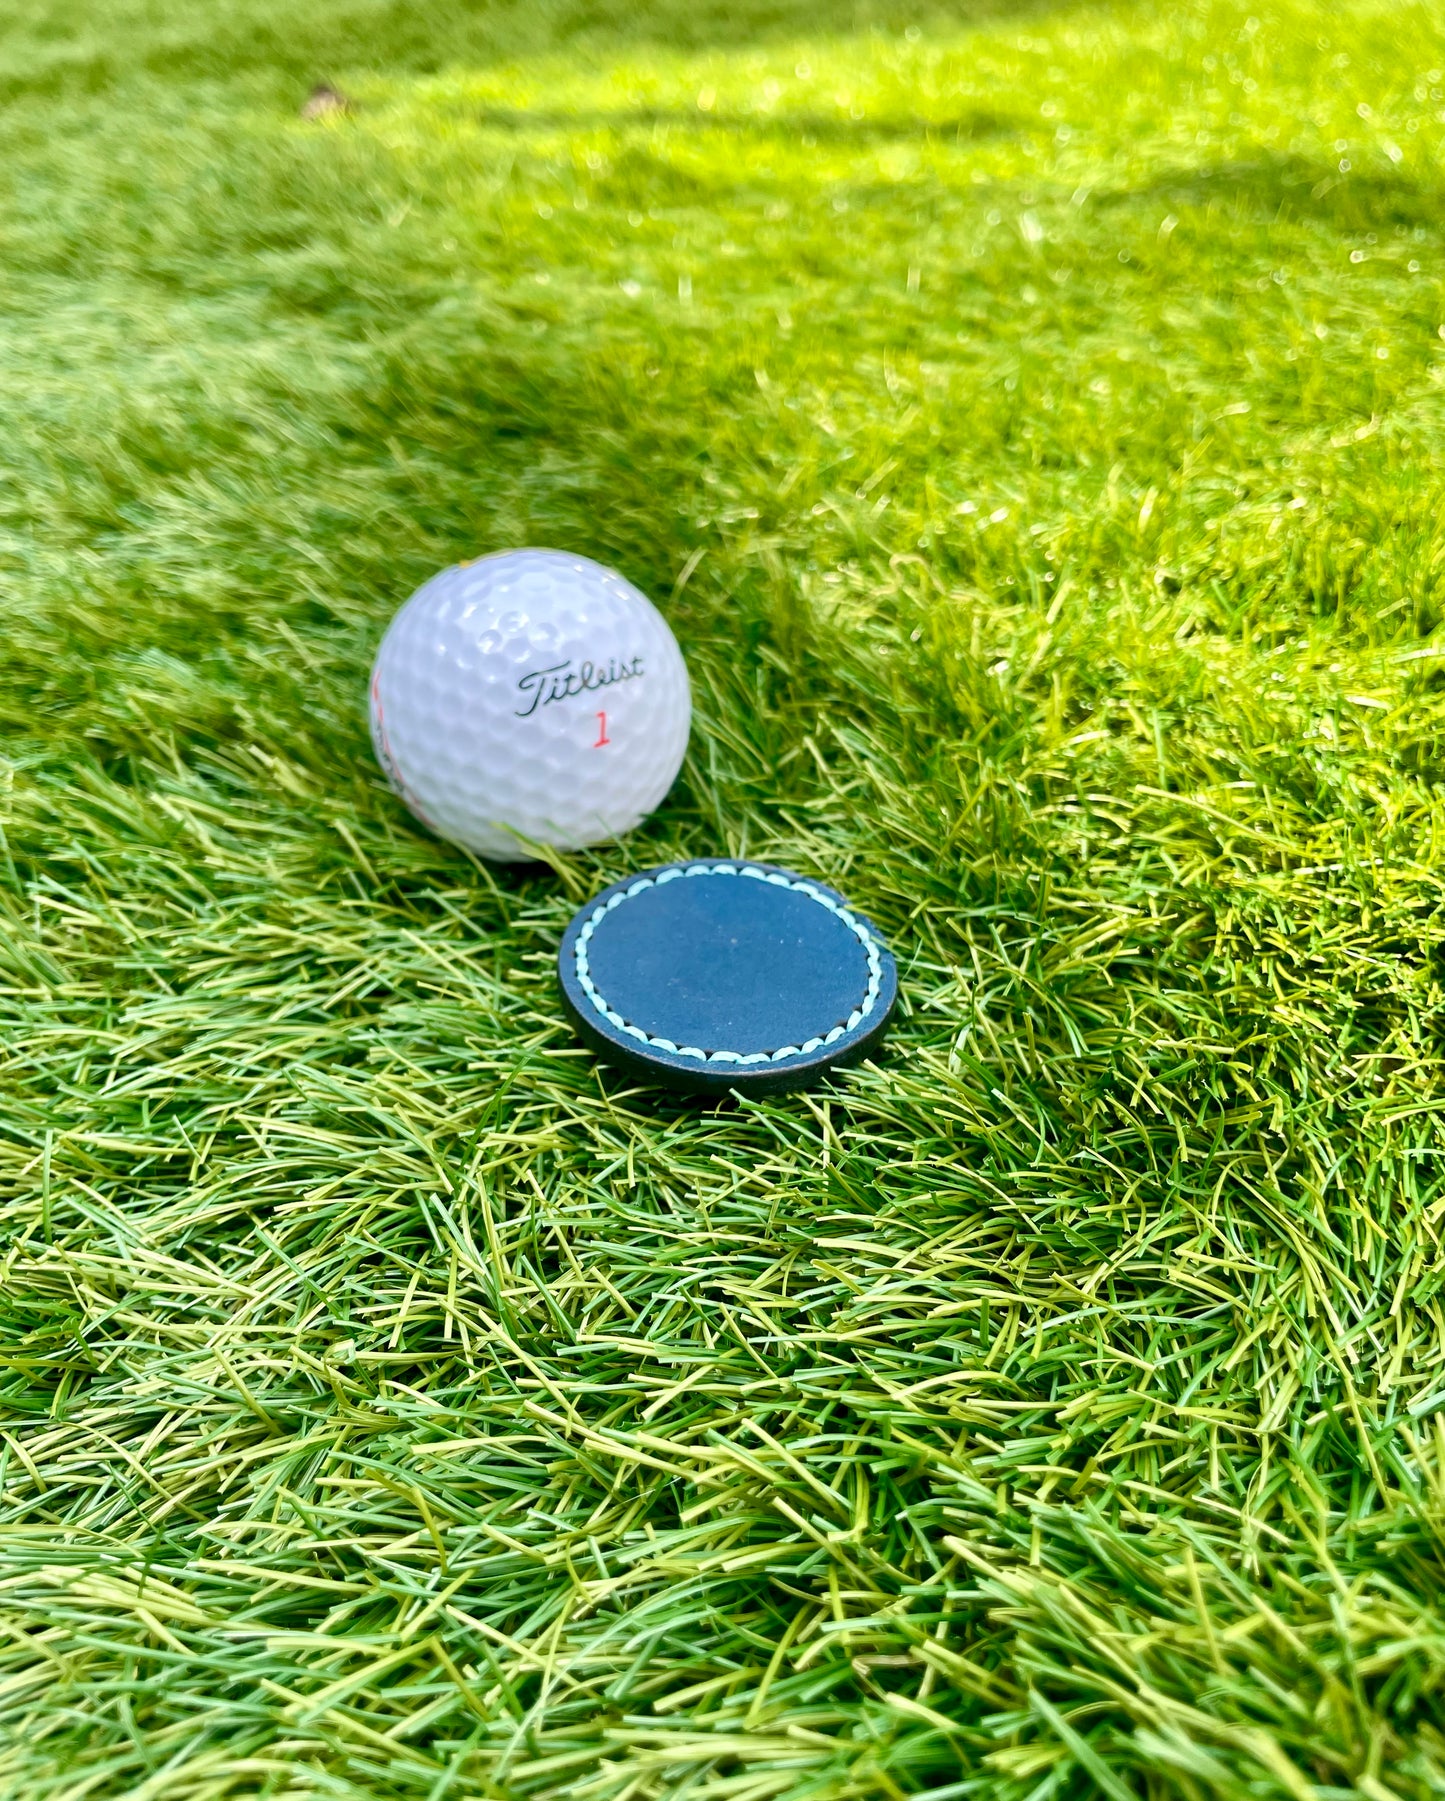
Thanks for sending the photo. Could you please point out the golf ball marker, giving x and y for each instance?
(723, 973)
(532, 696)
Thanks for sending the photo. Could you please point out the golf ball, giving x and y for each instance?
(532, 695)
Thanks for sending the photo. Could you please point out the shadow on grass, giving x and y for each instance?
(807, 127)
(56, 46)
(1296, 188)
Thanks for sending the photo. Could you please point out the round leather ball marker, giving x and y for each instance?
(723, 974)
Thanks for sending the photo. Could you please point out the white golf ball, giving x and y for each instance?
(531, 695)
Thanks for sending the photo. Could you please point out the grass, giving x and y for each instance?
(1032, 419)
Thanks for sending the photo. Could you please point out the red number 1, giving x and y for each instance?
(602, 737)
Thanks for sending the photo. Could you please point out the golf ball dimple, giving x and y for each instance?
(531, 696)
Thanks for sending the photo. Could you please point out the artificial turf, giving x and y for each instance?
(1032, 420)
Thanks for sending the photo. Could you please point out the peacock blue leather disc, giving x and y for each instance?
(723, 974)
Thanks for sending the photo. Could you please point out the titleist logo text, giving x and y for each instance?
(564, 680)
